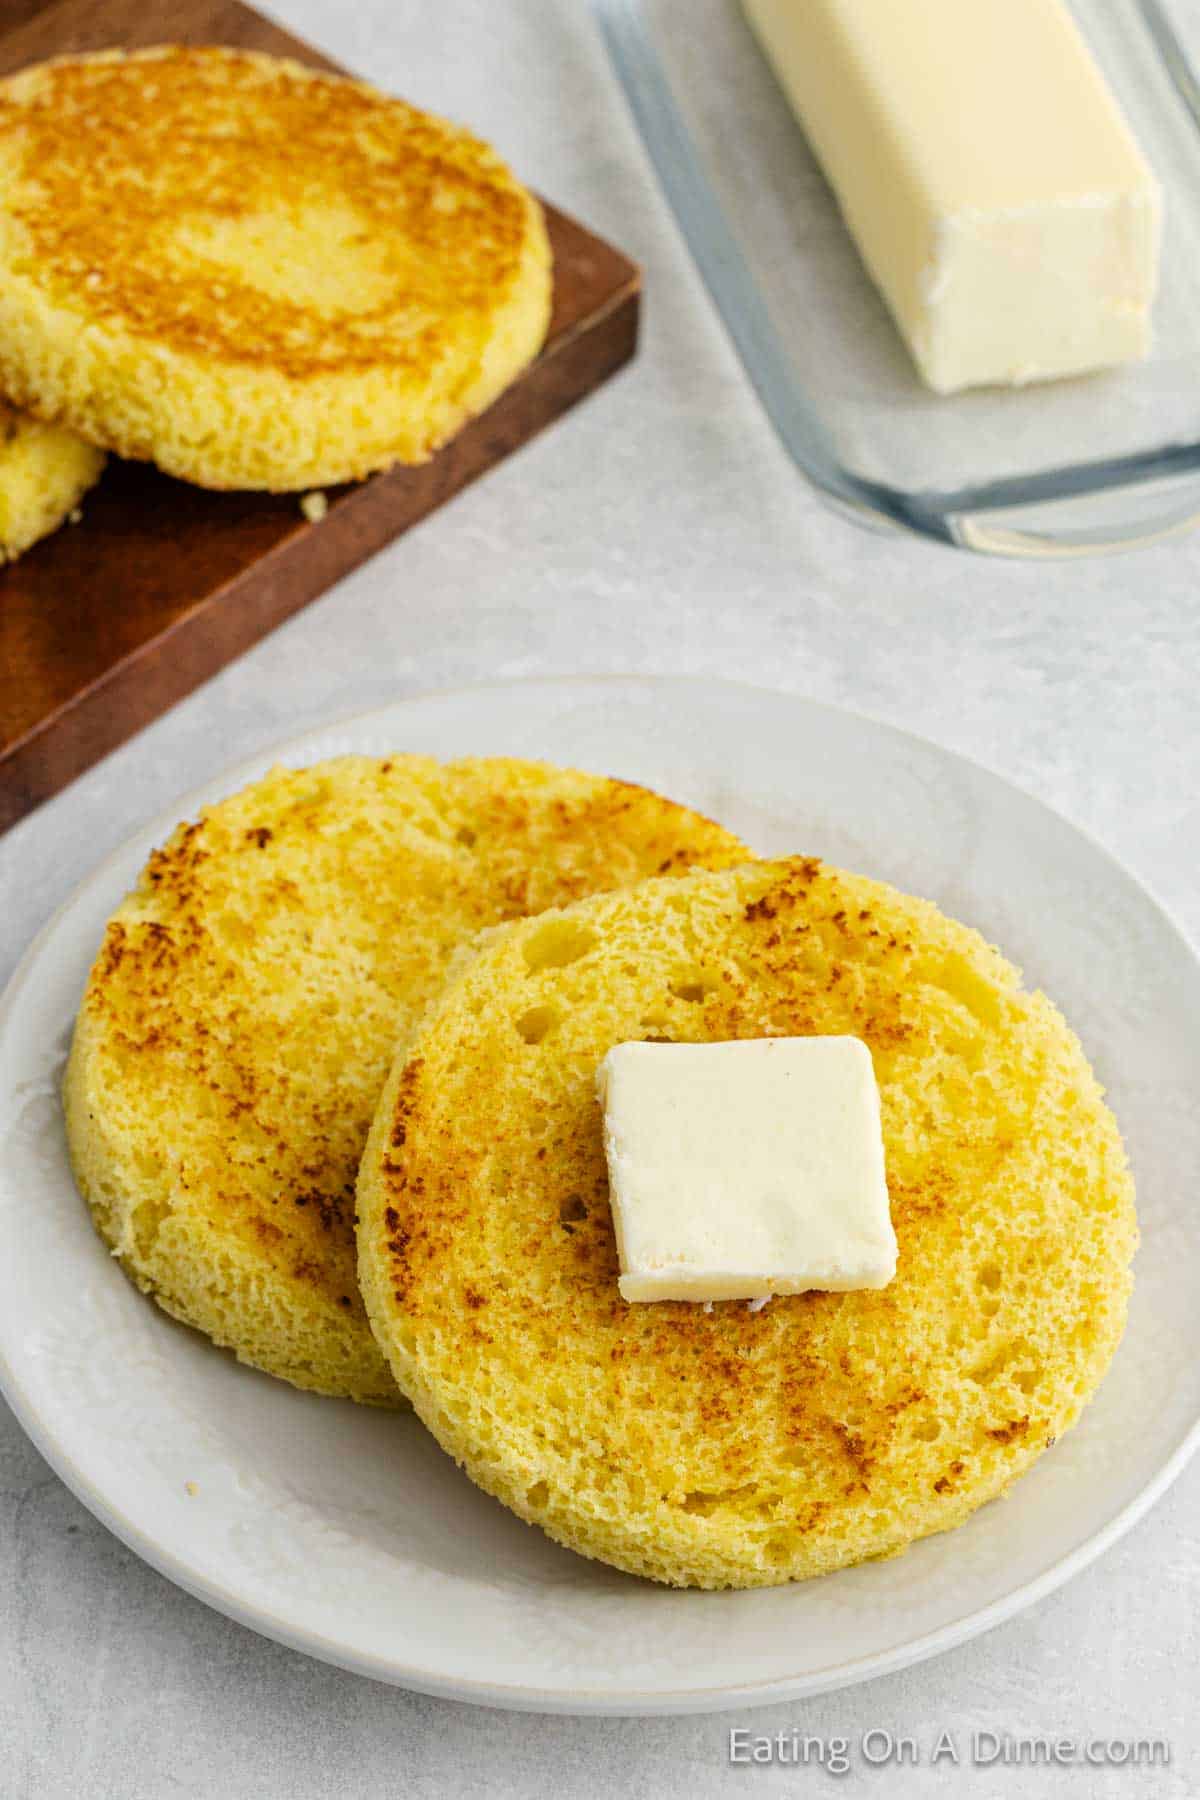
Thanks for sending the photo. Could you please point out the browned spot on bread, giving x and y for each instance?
(946, 1484)
(1007, 1434)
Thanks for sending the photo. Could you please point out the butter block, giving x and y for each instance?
(990, 180)
(742, 1170)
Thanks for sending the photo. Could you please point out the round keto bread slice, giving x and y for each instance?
(242, 1013)
(45, 471)
(731, 1448)
(254, 274)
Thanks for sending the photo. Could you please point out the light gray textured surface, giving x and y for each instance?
(659, 529)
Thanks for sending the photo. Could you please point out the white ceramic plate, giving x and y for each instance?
(347, 1533)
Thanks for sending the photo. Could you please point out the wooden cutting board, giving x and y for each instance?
(109, 622)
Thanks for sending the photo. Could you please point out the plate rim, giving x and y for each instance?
(610, 1701)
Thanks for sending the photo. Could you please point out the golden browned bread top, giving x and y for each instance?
(726, 1446)
(243, 207)
(243, 1010)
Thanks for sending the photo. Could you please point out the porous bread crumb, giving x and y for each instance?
(253, 273)
(243, 1009)
(732, 1447)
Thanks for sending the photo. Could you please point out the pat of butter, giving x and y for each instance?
(746, 1169)
(987, 174)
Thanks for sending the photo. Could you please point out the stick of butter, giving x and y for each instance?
(741, 1170)
(987, 174)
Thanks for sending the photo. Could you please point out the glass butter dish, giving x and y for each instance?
(1099, 462)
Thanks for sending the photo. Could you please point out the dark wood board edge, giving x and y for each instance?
(15, 13)
(141, 688)
(584, 349)
(66, 26)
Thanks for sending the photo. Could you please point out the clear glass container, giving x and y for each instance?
(1096, 463)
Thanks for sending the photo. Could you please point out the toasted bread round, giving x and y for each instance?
(253, 274)
(242, 1013)
(730, 1447)
(44, 473)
